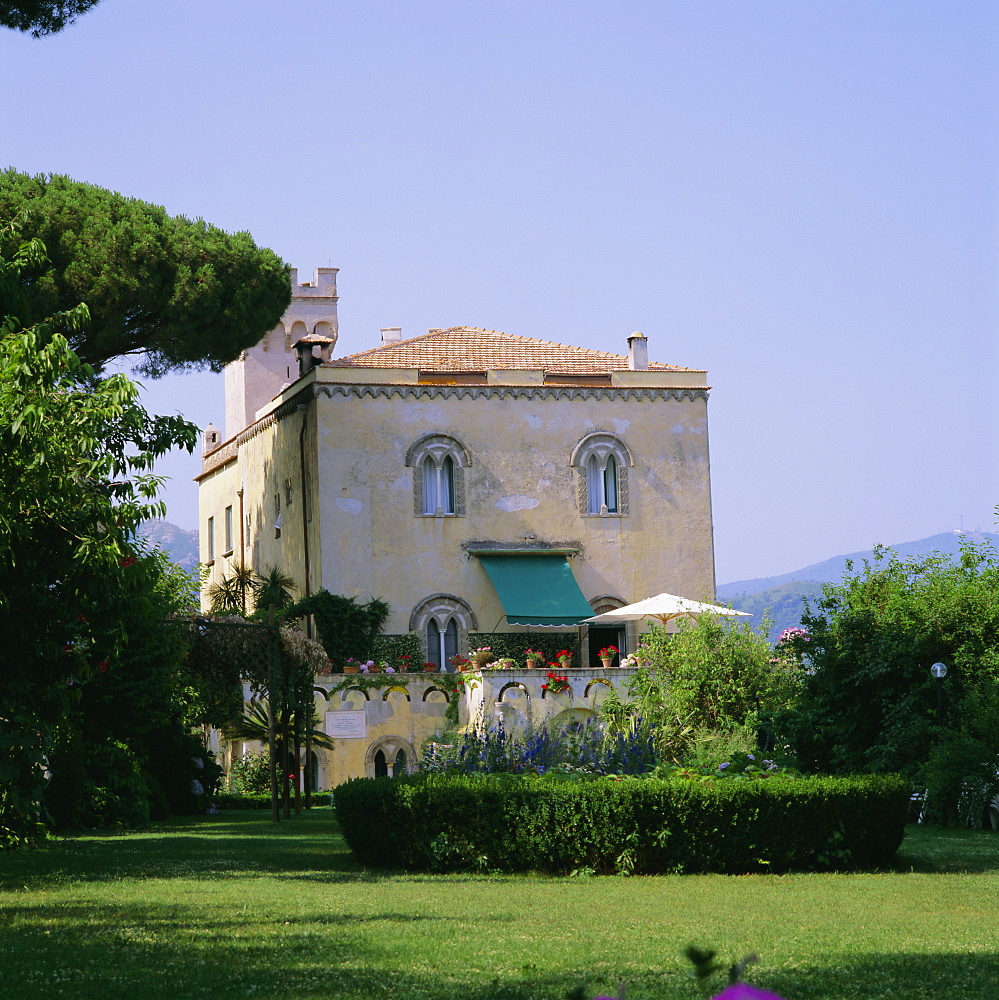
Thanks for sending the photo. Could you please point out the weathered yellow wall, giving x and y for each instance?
(267, 464)
(373, 544)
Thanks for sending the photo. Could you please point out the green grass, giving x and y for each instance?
(231, 906)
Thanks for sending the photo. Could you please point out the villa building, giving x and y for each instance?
(476, 481)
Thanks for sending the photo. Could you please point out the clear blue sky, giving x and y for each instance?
(799, 197)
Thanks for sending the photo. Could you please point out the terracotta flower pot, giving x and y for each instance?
(351, 670)
(430, 670)
(532, 663)
(607, 661)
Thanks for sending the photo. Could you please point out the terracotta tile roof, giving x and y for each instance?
(466, 348)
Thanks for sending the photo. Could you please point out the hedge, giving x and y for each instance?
(228, 800)
(514, 644)
(645, 826)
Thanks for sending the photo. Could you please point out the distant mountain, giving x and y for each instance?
(832, 570)
(784, 596)
(178, 543)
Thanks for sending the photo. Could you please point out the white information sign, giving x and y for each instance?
(346, 725)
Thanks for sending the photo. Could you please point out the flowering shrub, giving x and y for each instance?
(555, 683)
(549, 751)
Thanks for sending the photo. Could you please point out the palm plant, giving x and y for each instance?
(253, 725)
(273, 589)
(229, 595)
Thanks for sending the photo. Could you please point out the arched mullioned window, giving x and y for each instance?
(602, 461)
(443, 622)
(442, 643)
(438, 462)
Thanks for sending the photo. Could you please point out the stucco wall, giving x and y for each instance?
(519, 490)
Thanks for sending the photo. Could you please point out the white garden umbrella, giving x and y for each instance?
(664, 607)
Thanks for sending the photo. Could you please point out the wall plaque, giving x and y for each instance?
(346, 725)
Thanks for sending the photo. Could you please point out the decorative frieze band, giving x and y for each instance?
(364, 390)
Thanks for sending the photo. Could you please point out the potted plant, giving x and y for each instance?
(482, 656)
(556, 684)
(460, 663)
(607, 655)
(403, 663)
(565, 659)
(533, 656)
(351, 666)
(429, 668)
(507, 663)
(372, 668)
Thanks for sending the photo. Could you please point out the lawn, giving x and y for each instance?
(231, 906)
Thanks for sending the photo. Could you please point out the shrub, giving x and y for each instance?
(249, 775)
(255, 801)
(517, 823)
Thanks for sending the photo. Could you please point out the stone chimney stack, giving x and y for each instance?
(307, 359)
(391, 334)
(638, 352)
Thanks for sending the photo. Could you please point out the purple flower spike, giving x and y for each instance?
(743, 991)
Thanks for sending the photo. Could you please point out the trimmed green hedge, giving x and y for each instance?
(513, 644)
(227, 800)
(647, 826)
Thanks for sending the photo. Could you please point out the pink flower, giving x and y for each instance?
(743, 991)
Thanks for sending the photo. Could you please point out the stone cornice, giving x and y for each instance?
(362, 391)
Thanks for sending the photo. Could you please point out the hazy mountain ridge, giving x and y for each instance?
(178, 543)
(832, 570)
(784, 596)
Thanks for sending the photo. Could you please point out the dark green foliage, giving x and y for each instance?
(97, 786)
(256, 801)
(869, 702)
(392, 647)
(42, 17)
(633, 826)
(513, 644)
(178, 293)
(346, 628)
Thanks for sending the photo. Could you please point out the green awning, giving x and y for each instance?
(537, 589)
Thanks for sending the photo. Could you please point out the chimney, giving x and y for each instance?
(391, 334)
(638, 352)
(306, 359)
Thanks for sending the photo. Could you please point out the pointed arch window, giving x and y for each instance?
(438, 462)
(602, 461)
